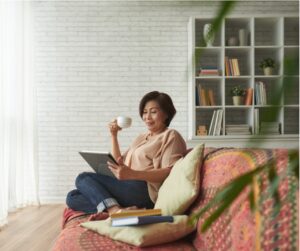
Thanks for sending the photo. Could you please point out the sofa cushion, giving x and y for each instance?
(181, 187)
(144, 235)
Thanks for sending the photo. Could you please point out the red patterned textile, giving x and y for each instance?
(70, 214)
(76, 238)
(236, 228)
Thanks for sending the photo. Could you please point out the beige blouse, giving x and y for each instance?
(155, 152)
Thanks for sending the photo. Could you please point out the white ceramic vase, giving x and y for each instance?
(208, 35)
(243, 37)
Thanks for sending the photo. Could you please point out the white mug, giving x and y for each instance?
(124, 122)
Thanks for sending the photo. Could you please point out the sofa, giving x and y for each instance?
(238, 228)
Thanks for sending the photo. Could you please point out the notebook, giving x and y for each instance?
(98, 161)
(134, 213)
(140, 220)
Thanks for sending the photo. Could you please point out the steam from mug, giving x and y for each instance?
(124, 122)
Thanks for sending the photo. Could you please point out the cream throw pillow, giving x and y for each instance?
(144, 235)
(181, 187)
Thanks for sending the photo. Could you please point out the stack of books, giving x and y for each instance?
(260, 93)
(209, 71)
(139, 217)
(238, 129)
(270, 128)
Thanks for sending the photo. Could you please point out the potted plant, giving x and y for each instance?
(237, 95)
(267, 64)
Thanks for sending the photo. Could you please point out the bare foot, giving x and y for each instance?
(113, 209)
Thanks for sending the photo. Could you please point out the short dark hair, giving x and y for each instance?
(164, 101)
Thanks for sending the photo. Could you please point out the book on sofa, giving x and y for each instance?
(135, 213)
(140, 220)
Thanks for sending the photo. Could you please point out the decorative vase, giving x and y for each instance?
(242, 37)
(237, 100)
(208, 35)
(268, 71)
(232, 41)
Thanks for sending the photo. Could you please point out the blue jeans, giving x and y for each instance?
(96, 192)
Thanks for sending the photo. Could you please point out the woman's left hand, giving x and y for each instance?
(121, 171)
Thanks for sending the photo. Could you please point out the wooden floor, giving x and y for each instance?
(32, 228)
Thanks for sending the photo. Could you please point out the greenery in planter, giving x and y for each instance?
(237, 91)
(267, 62)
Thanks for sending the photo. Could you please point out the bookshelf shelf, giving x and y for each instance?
(209, 107)
(231, 77)
(267, 47)
(203, 77)
(274, 37)
(271, 76)
(239, 106)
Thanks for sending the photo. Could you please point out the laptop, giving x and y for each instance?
(98, 161)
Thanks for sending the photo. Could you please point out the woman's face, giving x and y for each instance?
(154, 117)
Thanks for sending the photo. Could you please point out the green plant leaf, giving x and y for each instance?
(251, 200)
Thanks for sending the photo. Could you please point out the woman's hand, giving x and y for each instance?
(121, 171)
(114, 128)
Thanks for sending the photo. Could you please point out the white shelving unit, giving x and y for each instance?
(267, 36)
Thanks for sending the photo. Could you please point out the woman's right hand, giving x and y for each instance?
(114, 128)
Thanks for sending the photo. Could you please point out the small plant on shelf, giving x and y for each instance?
(267, 65)
(237, 95)
(237, 91)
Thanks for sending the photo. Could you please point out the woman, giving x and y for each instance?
(141, 169)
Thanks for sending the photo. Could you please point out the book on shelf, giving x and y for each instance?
(209, 73)
(260, 93)
(238, 129)
(218, 126)
(212, 123)
(211, 97)
(270, 127)
(209, 70)
(205, 96)
(232, 67)
(140, 220)
(249, 96)
(216, 123)
(133, 213)
(236, 67)
(256, 121)
(197, 101)
(202, 96)
(227, 69)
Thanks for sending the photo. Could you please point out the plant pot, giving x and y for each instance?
(238, 100)
(268, 71)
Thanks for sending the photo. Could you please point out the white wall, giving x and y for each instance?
(95, 60)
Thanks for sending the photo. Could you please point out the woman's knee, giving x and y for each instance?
(70, 197)
(82, 177)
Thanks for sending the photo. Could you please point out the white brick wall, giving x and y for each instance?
(95, 60)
